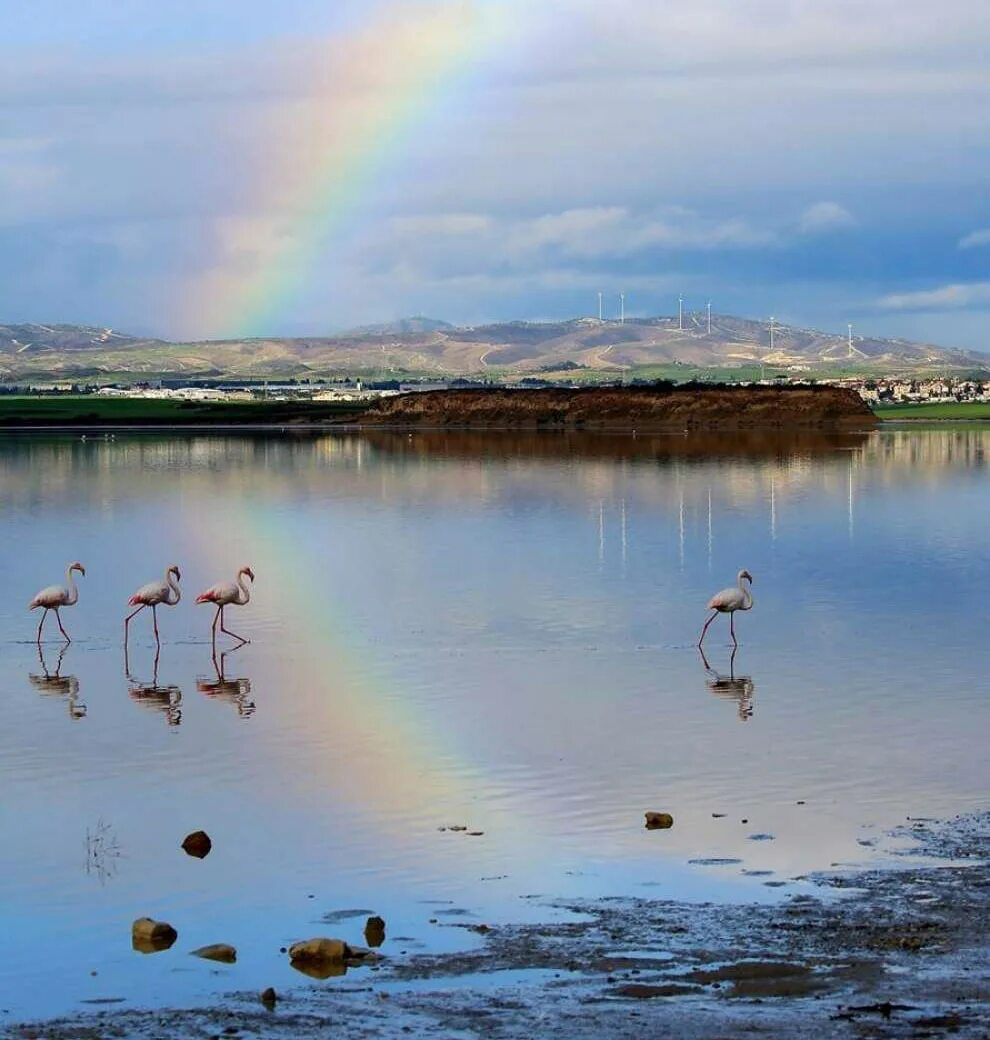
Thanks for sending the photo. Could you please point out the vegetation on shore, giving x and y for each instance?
(973, 410)
(83, 410)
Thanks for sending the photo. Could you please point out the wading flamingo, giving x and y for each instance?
(225, 593)
(57, 596)
(728, 601)
(152, 594)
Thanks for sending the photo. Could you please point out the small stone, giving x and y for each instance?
(320, 950)
(658, 821)
(374, 931)
(268, 997)
(217, 952)
(197, 844)
(149, 936)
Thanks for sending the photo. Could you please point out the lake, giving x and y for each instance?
(489, 631)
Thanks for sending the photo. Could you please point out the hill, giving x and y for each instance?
(425, 347)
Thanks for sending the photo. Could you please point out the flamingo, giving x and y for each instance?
(728, 601)
(152, 594)
(56, 596)
(225, 593)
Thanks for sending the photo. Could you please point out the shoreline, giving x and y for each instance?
(904, 953)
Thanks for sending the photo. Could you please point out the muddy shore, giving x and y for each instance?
(902, 951)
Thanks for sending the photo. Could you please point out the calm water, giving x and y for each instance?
(494, 631)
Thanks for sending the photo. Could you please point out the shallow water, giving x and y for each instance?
(488, 630)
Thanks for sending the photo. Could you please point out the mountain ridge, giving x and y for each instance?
(430, 347)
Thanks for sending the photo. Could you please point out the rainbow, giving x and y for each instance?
(368, 89)
(427, 764)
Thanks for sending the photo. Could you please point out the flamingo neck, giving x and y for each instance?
(747, 595)
(73, 591)
(174, 586)
(245, 593)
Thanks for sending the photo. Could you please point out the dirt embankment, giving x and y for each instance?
(641, 408)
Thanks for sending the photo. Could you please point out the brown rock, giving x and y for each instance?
(374, 931)
(149, 936)
(268, 997)
(197, 844)
(658, 821)
(217, 952)
(320, 949)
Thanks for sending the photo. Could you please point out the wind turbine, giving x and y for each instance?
(599, 306)
(622, 308)
(680, 311)
(709, 317)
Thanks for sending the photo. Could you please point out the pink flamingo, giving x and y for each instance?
(57, 596)
(728, 601)
(225, 593)
(152, 594)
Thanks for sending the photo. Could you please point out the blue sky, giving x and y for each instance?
(821, 161)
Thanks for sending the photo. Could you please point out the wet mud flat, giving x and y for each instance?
(895, 952)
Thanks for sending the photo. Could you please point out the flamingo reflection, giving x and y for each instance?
(58, 685)
(731, 687)
(234, 691)
(166, 699)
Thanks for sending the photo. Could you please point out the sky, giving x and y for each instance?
(213, 168)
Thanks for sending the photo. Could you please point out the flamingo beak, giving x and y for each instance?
(81, 569)
(250, 573)
(178, 576)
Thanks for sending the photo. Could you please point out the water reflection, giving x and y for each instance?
(233, 691)
(56, 684)
(731, 687)
(166, 699)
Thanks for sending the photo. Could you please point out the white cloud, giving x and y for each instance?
(824, 217)
(980, 237)
(946, 297)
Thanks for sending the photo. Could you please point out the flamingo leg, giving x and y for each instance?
(44, 614)
(127, 620)
(60, 628)
(732, 630)
(705, 629)
(154, 616)
(228, 631)
(216, 618)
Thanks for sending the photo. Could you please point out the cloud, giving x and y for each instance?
(946, 297)
(980, 237)
(823, 217)
(583, 234)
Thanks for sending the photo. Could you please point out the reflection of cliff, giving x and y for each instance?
(654, 470)
(625, 407)
(612, 447)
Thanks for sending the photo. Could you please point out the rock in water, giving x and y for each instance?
(197, 844)
(659, 821)
(374, 931)
(319, 950)
(217, 952)
(268, 997)
(148, 936)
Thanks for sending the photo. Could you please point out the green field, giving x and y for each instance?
(81, 410)
(895, 412)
